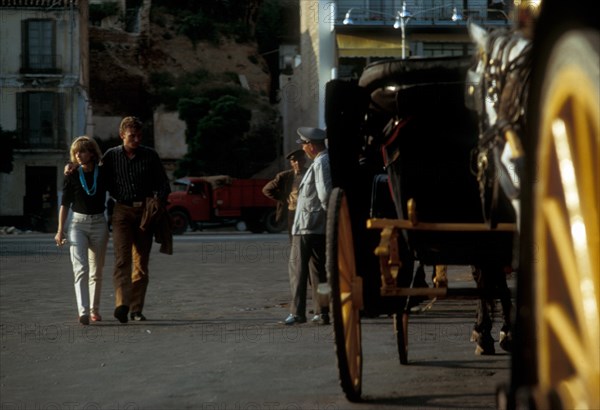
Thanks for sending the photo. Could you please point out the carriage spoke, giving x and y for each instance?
(569, 184)
(565, 332)
(346, 297)
(579, 234)
(559, 234)
(575, 388)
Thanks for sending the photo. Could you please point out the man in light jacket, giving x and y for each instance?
(308, 230)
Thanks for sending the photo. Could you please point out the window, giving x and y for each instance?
(349, 67)
(446, 49)
(39, 46)
(39, 122)
(133, 15)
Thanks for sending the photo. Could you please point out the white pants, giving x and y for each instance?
(88, 237)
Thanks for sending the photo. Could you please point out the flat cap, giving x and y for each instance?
(296, 155)
(308, 134)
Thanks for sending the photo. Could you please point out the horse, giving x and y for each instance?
(497, 89)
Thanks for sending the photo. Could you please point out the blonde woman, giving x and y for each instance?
(84, 192)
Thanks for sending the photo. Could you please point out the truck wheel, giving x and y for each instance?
(255, 225)
(254, 218)
(179, 222)
(271, 224)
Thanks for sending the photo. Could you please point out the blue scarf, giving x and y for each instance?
(87, 190)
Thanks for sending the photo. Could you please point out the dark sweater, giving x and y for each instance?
(75, 197)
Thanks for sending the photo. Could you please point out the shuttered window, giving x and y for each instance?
(39, 46)
(40, 120)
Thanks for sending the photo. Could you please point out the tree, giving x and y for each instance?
(214, 140)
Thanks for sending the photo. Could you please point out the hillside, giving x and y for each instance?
(122, 65)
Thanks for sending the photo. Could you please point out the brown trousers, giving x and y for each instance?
(132, 248)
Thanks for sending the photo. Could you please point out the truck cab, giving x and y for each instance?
(220, 200)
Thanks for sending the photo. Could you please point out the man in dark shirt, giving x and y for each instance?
(134, 173)
(284, 188)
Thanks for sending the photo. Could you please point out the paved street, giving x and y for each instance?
(213, 338)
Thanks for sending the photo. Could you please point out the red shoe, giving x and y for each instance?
(96, 317)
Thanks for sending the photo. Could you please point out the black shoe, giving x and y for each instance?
(137, 316)
(121, 313)
(84, 320)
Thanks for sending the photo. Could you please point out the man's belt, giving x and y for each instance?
(135, 203)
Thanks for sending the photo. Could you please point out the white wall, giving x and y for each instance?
(106, 127)
(169, 135)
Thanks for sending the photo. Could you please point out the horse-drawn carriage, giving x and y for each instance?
(430, 165)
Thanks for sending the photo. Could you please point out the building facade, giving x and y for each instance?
(372, 30)
(339, 38)
(44, 103)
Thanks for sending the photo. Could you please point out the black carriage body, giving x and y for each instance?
(406, 119)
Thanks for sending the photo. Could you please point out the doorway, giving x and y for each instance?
(40, 201)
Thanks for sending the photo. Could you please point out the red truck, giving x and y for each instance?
(198, 202)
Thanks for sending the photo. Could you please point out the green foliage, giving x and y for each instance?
(209, 20)
(237, 30)
(157, 15)
(230, 130)
(222, 140)
(217, 90)
(168, 90)
(102, 10)
(268, 26)
(197, 77)
(198, 27)
(216, 133)
(189, 112)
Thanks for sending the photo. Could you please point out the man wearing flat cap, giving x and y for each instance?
(307, 258)
(284, 188)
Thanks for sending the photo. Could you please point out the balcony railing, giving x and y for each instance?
(41, 64)
(385, 16)
(40, 4)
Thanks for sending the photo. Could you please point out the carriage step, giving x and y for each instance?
(380, 223)
(448, 293)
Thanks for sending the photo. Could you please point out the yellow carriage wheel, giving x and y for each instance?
(346, 295)
(566, 226)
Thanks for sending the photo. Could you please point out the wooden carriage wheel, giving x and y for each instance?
(401, 332)
(346, 298)
(565, 226)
